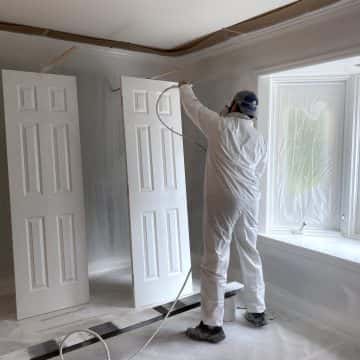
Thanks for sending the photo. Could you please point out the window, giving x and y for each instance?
(313, 140)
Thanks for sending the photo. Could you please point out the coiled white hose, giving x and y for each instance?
(144, 346)
(88, 331)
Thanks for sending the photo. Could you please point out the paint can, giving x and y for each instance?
(230, 309)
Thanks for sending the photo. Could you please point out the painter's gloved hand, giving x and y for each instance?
(184, 82)
(225, 111)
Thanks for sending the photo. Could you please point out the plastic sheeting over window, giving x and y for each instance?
(308, 120)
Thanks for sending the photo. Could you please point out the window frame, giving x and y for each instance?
(268, 86)
(351, 203)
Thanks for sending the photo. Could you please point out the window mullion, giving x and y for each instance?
(347, 160)
(351, 202)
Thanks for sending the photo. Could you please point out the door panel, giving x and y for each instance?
(46, 192)
(157, 192)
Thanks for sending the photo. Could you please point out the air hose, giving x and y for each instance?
(144, 346)
(186, 138)
(151, 338)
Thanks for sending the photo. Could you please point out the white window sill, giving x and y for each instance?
(337, 247)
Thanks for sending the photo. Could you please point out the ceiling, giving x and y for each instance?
(158, 24)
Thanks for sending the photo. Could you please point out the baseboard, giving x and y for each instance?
(281, 301)
(109, 264)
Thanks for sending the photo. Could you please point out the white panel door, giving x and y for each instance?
(157, 192)
(46, 192)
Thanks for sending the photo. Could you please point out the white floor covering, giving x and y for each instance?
(111, 300)
(286, 338)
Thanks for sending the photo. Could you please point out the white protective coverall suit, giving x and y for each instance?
(235, 161)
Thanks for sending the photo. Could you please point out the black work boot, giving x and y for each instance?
(206, 333)
(256, 319)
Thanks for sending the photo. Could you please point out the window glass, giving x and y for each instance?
(309, 120)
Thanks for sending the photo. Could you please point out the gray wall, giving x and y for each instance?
(313, 285)
(104, 169)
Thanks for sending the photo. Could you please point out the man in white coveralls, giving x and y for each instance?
(235, 162)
